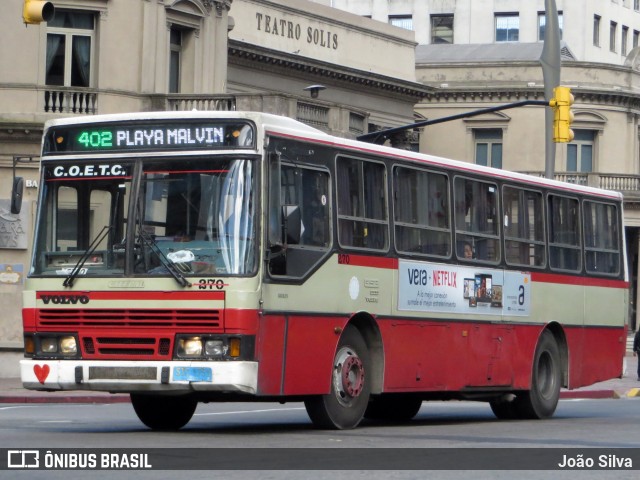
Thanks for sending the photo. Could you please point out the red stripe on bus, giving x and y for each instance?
(144, 295)
(577, 280)
(367, 261)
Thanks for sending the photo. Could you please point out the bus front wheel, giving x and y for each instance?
(163, 412)
(344, 406)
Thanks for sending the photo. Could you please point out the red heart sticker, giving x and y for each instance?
(41, 372)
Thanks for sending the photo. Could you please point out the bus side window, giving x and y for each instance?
(305, 189)
(421, 212)
(476, 218)
(564, 233)
(523, 227)
(601, 238)
(362, 204)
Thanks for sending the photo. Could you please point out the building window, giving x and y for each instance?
(580, 152)
(441, 28)
(488, 147)
(507, 27)
(542, 20)
(613, 31)
(70, 37)
(625, 36)
(596, 30)
(175, 51)
(636, 5)
(636, 36)
(402, 21)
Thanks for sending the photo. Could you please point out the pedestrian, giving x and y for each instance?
(636, 349)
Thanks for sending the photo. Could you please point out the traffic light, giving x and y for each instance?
(562, 114)
(36, 11)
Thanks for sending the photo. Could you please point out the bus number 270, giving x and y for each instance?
(210, 284)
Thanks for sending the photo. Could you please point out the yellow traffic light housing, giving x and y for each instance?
(562, 114)
(36, 11)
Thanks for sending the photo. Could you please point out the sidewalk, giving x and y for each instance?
(11, 390)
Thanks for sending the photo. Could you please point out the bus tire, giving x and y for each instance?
(546, 378)
(163, 412)
(343, 408)
(393, 408)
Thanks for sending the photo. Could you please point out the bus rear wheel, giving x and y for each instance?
(163, 412)
(344, 407)
(546, 378)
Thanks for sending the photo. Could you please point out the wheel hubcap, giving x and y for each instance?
(348, 376)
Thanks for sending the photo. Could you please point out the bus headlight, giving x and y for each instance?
(52, 345)
(49, 345)
(218, 347)
(190, 347)
(68, 345)
(214, 348)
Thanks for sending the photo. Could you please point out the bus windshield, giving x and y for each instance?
(195, 215)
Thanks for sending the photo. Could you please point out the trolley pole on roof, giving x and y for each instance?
(550, 61)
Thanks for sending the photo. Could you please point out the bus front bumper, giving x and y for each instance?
(140, 376)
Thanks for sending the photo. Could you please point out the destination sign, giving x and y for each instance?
(174, 135)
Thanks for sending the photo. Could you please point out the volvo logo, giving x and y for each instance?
(64, 299)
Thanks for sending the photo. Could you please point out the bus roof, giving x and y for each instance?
(296, 130)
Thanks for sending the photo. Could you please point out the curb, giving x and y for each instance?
(589, 394)
(634, 392)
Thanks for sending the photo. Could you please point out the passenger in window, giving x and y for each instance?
(468, 250)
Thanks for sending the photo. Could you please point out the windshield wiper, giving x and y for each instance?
(168, 264)
(87, 253)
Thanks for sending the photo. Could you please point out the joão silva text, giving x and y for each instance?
(604, 461)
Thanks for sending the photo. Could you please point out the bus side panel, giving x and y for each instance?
(310, 349)
(418, 355)
(451, 356)
(270, 351)
(595, 354)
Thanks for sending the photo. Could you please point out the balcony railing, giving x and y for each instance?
(65, 100)
(219, 103)
(314, 115)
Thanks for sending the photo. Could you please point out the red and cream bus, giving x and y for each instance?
(227, 256)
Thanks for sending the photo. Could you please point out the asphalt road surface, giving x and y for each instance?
(450, 433)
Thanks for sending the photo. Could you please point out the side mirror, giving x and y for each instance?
(16, 195)
(292, 223)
